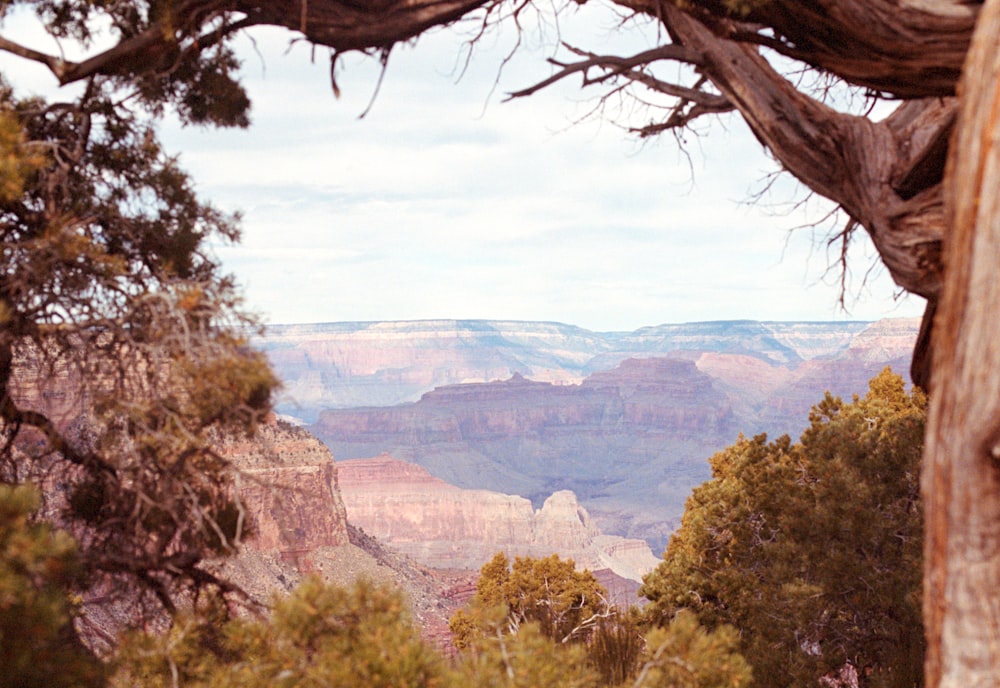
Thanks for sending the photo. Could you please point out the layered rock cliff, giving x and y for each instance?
(288, 482)
(631, 441)
(444, 526)
(343, 365)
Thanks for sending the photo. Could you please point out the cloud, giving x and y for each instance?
(443, 202)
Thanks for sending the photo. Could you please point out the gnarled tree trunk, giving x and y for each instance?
(961, 480)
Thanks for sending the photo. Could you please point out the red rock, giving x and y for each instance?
(444, 526)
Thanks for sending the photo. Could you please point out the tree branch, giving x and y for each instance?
(918, 45)
(612, 65)
(56, 65)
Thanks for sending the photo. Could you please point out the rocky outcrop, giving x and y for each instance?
(630, 442)
(444, 526)
(288, 482)
(639, 396)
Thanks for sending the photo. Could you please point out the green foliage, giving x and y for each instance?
(111, 299)
(200, 84)
(536, 617)
(685, 655)
(38, 567)
(811, 550)
(17, 162)
(565, 603)
(526, 659)
(319, 635)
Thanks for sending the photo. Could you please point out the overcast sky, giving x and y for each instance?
(444, 202)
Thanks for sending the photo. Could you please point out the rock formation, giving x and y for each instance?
(344, 365)
(288, 482)
(630, 441)
(444, 526)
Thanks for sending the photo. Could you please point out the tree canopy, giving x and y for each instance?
(122, 345)
(319, 635)
(812, 550)
(540, 622)
(38, 645)
(565, 603)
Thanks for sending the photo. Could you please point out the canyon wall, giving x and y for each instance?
(444, 526)
(288, 482)
(343, 365)
(630, 441)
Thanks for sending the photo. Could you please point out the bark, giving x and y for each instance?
(885, 175)
(199, 24)
(907, 48)
(346, 25)
(961, 479)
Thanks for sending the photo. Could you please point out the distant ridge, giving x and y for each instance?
(351, 364)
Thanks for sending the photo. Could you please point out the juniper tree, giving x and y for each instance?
(122, 344)
(811, 550)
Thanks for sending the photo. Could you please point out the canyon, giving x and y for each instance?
(393, 523)
(355, 364)
(626, 421)
(443, 526)
(298, 524)
(531, 438)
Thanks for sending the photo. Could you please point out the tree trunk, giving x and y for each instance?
(961, 478)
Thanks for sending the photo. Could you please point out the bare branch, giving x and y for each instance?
(55, 64)
(612, 65)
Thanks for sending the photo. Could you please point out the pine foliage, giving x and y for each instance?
(812, 550)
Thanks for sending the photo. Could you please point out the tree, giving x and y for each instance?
(685, 655)
(889, 176)
(122, 346)
(565, 603)
(539, 622)
(548, 616)
(811, 550)
(319, 635)
(525, 659)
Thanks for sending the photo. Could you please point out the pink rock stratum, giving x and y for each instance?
(444, 526)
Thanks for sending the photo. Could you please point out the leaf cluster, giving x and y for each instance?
(564, 602)
(181, 61)
(514, 633)
(319, 635)
(38, 646)
(812, 550)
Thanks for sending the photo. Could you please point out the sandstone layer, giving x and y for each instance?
(443, 526)
(288, 482)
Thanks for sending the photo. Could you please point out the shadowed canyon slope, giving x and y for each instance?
(444, 526)
(289, 484)
(625, 421)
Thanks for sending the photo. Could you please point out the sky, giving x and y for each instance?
(443, 201)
